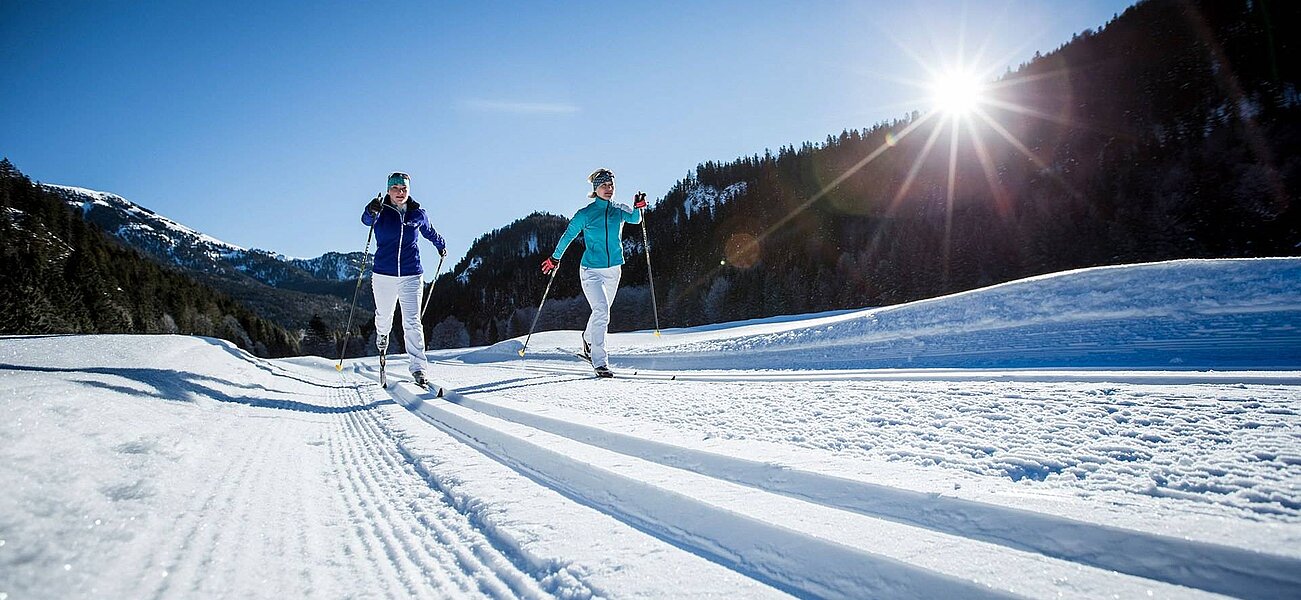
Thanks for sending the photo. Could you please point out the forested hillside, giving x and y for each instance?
(1172, 132)
(64, 275)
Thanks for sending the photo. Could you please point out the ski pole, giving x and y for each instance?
(347, 332)
(431, 286)
(645, 239)
(544, 301)
(437, 270)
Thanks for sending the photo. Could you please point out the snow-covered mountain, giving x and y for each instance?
(184, 467)
(177, 244)
(288, 291)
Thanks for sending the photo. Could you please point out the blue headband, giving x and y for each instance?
(399, 179)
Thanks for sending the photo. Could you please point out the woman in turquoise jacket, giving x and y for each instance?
(601, 224)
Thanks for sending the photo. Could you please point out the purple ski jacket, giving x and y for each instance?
(396, 232)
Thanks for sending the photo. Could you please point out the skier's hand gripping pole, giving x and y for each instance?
(554, 270)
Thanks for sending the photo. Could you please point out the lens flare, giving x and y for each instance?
(742, 250)
(957, 92)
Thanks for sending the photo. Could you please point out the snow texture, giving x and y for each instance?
(1032, 439)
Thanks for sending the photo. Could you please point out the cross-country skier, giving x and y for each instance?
(601, 224)
(398, 275)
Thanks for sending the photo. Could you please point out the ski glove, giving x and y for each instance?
(442, 252)
(549, 265)
(374, 207)
(639, 201)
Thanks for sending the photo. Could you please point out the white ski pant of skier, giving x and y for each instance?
(403, 290)
(599, 285)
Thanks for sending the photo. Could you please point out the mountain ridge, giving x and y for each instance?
(1171, 132)
(184, 246)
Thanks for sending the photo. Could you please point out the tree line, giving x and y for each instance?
(64, 275)
(1172, 132)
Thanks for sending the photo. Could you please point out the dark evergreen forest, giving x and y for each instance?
(1172, 132)
(60, 274)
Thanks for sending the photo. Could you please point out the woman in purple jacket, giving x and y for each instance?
(397, 275)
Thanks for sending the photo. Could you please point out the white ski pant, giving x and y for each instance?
(405, 291)
(599, 285)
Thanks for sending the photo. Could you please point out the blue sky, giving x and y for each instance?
(271, 124)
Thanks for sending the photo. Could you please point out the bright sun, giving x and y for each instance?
(957, 92)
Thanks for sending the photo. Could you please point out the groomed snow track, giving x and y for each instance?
(816, 535)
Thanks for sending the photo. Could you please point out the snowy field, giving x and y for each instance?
(1127, 432)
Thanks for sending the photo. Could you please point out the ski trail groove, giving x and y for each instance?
(400, 539)
(786, 542)
(1207, 566)
(430, 543)
(368, 523)
(377, 574)
(456, 540)
(365, 544)
(1016, 374)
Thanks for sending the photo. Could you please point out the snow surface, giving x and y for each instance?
(1033, 439)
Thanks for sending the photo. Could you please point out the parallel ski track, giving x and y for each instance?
(1029, 375)
(420, 544)
(817, 562)
(1212, 567)
(396, 535)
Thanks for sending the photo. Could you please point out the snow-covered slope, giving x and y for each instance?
(177, 244)
(1176, 315)
(168, 466)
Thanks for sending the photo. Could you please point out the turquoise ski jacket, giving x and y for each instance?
(601, 224)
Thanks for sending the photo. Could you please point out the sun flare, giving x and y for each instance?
(957, 92)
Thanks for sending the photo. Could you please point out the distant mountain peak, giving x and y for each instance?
(289, 291)
(88, 198)
(174, 243)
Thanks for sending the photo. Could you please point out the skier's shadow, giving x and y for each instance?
(179, 386)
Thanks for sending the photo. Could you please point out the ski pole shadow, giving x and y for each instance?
(494, 384)
(501, 385)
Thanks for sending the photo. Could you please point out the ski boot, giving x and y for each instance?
(604, 371)
(419, 377)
